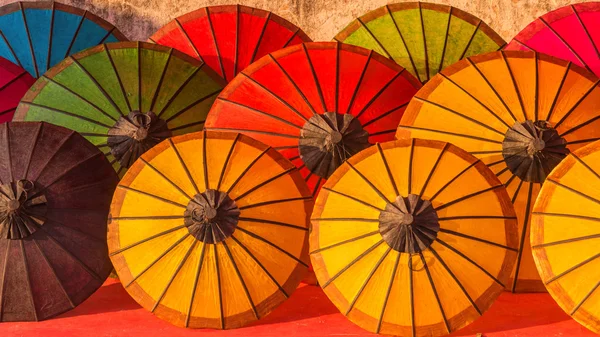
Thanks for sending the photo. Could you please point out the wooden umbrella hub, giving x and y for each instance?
(135, 134)
(22, 209)
(211, 216)
(532, 149)
(409, 224)
(327, 140)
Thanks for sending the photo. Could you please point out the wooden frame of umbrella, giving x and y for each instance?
(390, 30)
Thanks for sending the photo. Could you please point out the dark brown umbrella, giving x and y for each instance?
(55, 191)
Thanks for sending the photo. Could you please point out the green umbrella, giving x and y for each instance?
(422, 37)
(124, 97)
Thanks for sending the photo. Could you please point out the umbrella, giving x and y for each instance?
(209, 230)
(229, 38)
(124, 97)
(571, 33)
(38, 35)
(520, 113)
(55, 192)
(317, 103)
(564, 235)
(413, 237)
(422, 37)
(14, 83)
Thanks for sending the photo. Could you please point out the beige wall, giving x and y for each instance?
(320, 19)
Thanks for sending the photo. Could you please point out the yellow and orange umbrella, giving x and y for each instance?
(518, 112)
(566, 238)
(413, 238)
(210, 230)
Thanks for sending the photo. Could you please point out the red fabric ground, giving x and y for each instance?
(111, 312)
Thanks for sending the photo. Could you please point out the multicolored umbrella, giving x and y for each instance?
(571, 33)
(14, 83)
(210, 230)
(564, 235)
(229, 38)
(317, 103)
(124, 97)
(55, 192)
(422, 37)
(413, 238)
(38, 35)
(519, 112)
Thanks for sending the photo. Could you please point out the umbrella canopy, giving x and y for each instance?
(229, 38)
(317, 103)
(564, 235)
(413, 238)
(38, 35)
(210, 230)
(14, 83)
(571, 33)
(422, 37)
(124, 97)
(520, 113)
(55, 193)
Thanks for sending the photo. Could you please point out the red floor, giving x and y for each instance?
(111, 312)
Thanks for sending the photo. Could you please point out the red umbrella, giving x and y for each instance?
(14, 83)
(571, 33)
(229, 38)
(317, 103)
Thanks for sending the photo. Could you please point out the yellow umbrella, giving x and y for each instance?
(413, 238)
(210, 230)
(520, 113)
(565, 235)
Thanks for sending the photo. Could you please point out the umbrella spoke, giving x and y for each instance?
(523, 235)
(314, 193)
(592, 171)
(352, 198)
(239, 275)
(272, 202)
(385, 114)
(262, 34)
(452, 180)
(153, 196)
(410, 57)
(374, 38)
(193, 104)
(149, 217)
(220, 291)
(378, 94)
(271, 222)
(450, 232)
(356, 238)
(95, 81)
(195, 284)
(118, 77)
(181, 264)
(32, 53)
(587, 33)
(366, 281)
(314, 75)
(247, 169)
(293, 83)
(579, 265)
(260, 238)
(581, 99)
(462, 135)
(432, 171)
(66, 113)
(358, 258)
(62, 287)
(187, 37)
(165, 178)
(276, 134)
(375, 189)
(585, 298)
(388, 171)
(179, 89)
(360, 79)
(214, 40)
(28, 279)
(514, 198)
(345, 219)
(388, 292)
(189, 125)
(227, 159)
(121, 250)
(570, 189)
(411, 294)
(565, 43)
(262, 184)
(560, 86)
(560, 242)
(455, 201)
(435, 292)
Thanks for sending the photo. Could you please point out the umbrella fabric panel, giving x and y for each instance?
(39, 35)
(229, 38)
(190, 282)
(14, 83)
(565, 235)
(424, 38)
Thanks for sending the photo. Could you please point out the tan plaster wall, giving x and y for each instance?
(320, 19)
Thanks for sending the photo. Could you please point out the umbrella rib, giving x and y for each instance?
(425, 51)
(387, 54)
(35, 142)
(451, 232)
(433, 288)
(260, 37)
(450, 133)
(62, 287)
(580, 264)
(385, 114)
(3, 279)
(239, 275)
(270, 222)
(291, 38)
(262, 184)
(360, 79)
(237, 40)
(152, 196)
(585, 95)
(314, 193)
(13, 80)
(45, 165)
(410, 164)
(452, 180)
(181, 264)
(388, 171)
(70, 114)
(180, 240)
(7, 111)
(13, 55)
(337, 76)
(445, 40)
(160, 81)
(139, 77)
(150, 217)
(378, 94)
(314, 75)
(226, 163)
(279, 119)
(294, 84)
(537, 87)
(121, 250)
(214, 39)
(184, 166)
(388, 292)
(460, 285)
(579, 126)
(247, 169)
(564, 42)
(165, 177)
(353, 198)
(283, 135)
(108, 32)
(198, 270)
(435, 165)
(587, 296)
(514, 83)
(370, 184)
(114, 68)
(560, 242)
(178, 91)
(560, 86)
(587, 33)
(220, 291)
(258, 237)
(583, 141)
(187, 37)
(455, 201)
(523, 235)
(412, 290)
(261, 266)
(27, 279)
(185, 126)
(260, 204)
(470, 40)
(356, 238)
(465, 217)
(75, 34)
(8, 156)
(581, 194)
(345, 219)
(412, 61)
(37, 73)
(366, 281)
(353, 262)
(74, 229)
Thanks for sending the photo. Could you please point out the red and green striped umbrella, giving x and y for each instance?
(422, 37)
(124, 97)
